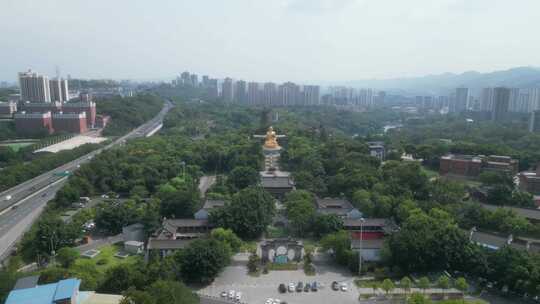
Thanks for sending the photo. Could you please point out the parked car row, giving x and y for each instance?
(232, 295)
(298, 287)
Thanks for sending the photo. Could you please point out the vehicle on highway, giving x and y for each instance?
(8, 197)
(299, 287)
(62, 174)
(314, 286)
(282, 288)
(335, 285)
(307, 287)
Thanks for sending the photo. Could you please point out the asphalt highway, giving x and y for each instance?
(27, 200)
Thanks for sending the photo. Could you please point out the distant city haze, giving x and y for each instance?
(307, 41)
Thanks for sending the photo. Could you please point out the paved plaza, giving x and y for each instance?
(255, 290)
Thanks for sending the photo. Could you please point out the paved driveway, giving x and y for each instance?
(255, 290)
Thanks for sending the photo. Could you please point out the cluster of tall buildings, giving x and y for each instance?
(274, 94)
(496, 102)
(44, 106)
(269, 93)
(346, 96)
(253, 93)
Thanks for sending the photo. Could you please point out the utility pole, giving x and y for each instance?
(360, 253)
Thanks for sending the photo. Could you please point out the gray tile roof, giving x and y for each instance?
(167, 244)
(26, 282)
(209, 204)
(529, 213)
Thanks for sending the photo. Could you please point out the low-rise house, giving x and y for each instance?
(62, 292)
(370, 250)
(204, 212)
(338, 206)
(134, 247)
(367, 236)
(376, 149)
(532, 215)
(494, 241)
(133, 232)
(176, 234)
(278, 183)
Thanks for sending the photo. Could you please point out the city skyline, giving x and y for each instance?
(292, 40)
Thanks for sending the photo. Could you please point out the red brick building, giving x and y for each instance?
(42, 107)
(102, 121)
(33, 123)
(472, 165)
(530, 181)
(87, 107)
(464, 165)
(70, 122)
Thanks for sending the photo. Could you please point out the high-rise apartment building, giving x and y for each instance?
(227, 90)
(240, 92)
(486, 100)
(212, 89)
(269, 93)
(34, 87)
(534, 99)
(513, 103)
(534, 121)
(524, 102)
(194, 80)
(461, 100)
(253, 94)
(185, 78)
(59, 90)
(289, 94)
(501, 101)
(381, 97)
(311, 95)
(205, 81)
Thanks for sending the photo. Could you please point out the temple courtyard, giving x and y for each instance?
(257, 289)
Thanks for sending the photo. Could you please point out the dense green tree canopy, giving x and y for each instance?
(248, 214)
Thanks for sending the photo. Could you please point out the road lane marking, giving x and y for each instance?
(32, 195)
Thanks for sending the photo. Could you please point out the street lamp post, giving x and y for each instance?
(361, 239)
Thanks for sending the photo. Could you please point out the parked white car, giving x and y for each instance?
(231, 294)
(238, 296)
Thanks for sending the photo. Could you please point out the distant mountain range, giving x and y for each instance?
(520, 77)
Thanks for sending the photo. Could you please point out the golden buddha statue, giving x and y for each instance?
(270, 141)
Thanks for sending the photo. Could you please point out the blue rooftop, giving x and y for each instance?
(44, 294)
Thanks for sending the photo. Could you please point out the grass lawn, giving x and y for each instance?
(104, 260)
(17, 146)
(430, 173)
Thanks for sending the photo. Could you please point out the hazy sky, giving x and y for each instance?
(299, 40)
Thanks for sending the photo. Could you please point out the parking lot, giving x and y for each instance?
(256, 290)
